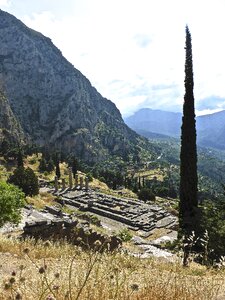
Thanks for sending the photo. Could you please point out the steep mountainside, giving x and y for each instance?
(54, 103)
(210, 128)
(10, 129)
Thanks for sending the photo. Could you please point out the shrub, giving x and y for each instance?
(12, 200)
(26, 180)
(162, 191)
(90, 177)
(125, 235)
(213, 220)
(33, 160)
(146, 194)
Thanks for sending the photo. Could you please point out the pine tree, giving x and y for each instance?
(188, 155)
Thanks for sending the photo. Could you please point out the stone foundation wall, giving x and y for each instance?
(76, 233)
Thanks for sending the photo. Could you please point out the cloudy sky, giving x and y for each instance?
(132, 51)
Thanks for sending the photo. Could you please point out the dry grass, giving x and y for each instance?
(62, 271)
(32, 161)
(3, 173)
(41, 200)
(97, 184)
(103, 188)
(157, 233)
(150, 174)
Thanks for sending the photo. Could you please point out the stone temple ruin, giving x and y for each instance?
(135, 214)
(52, 223)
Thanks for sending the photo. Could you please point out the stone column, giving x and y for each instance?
(76, 181)
(86, 183)
(70, 178)
(81, 182)
(56, 184)
(63, 183)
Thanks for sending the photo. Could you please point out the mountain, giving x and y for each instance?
(152, 135)
(210, 128)
(155, 121)
(54, 104)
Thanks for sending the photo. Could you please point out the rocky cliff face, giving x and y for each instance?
(10, 129)
(53, 102)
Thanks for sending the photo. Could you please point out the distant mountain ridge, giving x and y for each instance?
(155, 121)
(210, 128)
(53, 103)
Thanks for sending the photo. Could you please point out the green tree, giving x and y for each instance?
(50, 165)
(4, 147)
(146, 194)
(213, 220)
(12, 199)
(188, 155)
(42, 165)
(26, 180)
(19, 158)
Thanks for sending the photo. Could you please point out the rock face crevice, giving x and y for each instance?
(54, 103)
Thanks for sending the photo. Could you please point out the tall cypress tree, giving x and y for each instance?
(188, 155)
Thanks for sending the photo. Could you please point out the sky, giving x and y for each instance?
(132, 51)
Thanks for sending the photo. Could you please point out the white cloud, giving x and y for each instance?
(126, 48)
(5, 3)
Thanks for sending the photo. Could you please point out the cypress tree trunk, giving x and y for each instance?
(188, 155)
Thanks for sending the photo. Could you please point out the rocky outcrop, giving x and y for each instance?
(55, 104)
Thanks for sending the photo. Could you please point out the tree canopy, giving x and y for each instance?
(25, 179)
(12, 199)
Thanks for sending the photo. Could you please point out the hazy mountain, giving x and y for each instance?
(210, 128)
(155, 121)
(53, 102)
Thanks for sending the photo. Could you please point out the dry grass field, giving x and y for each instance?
(43, 270)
